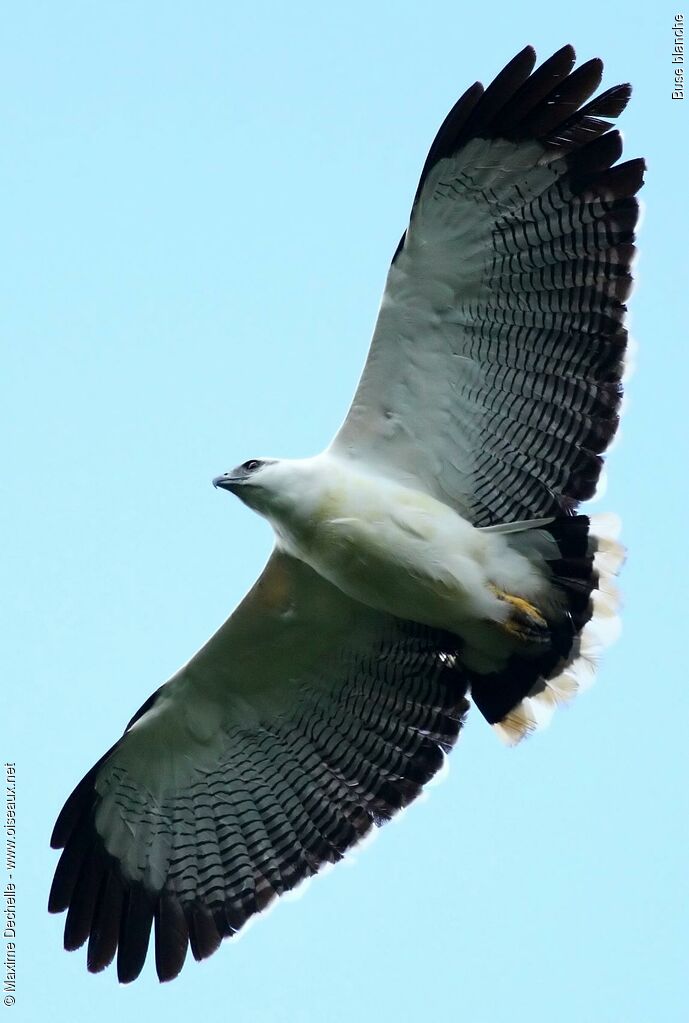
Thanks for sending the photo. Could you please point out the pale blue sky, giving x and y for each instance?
(201, 201)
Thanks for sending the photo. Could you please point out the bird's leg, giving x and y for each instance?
(524, 621)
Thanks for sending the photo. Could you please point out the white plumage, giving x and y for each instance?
(394, 548)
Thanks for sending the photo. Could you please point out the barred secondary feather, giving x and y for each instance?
(432, 555)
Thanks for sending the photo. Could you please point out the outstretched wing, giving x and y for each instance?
(304, 721)
(493, 379)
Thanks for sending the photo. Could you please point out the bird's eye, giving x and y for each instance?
(252, 464)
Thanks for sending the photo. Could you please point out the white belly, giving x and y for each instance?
(400, 551)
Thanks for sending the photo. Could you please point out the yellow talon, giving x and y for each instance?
(525, 622)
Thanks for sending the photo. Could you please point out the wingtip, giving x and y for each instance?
(57, 840)
(171, 938)
(528, 53)
(595, 66)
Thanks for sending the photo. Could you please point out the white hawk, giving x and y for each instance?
(432, 552)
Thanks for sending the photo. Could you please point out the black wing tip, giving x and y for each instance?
(548, 104)
(593, 64)
(205, 936)
(523, 61)
(113, 914)
(134, 933)
(527, 52)
(622, 93)
(171, 937)
(638, 166)
(69, 814)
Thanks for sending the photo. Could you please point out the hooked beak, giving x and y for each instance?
(227, 482)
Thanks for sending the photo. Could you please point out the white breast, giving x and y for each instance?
(395, 549)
